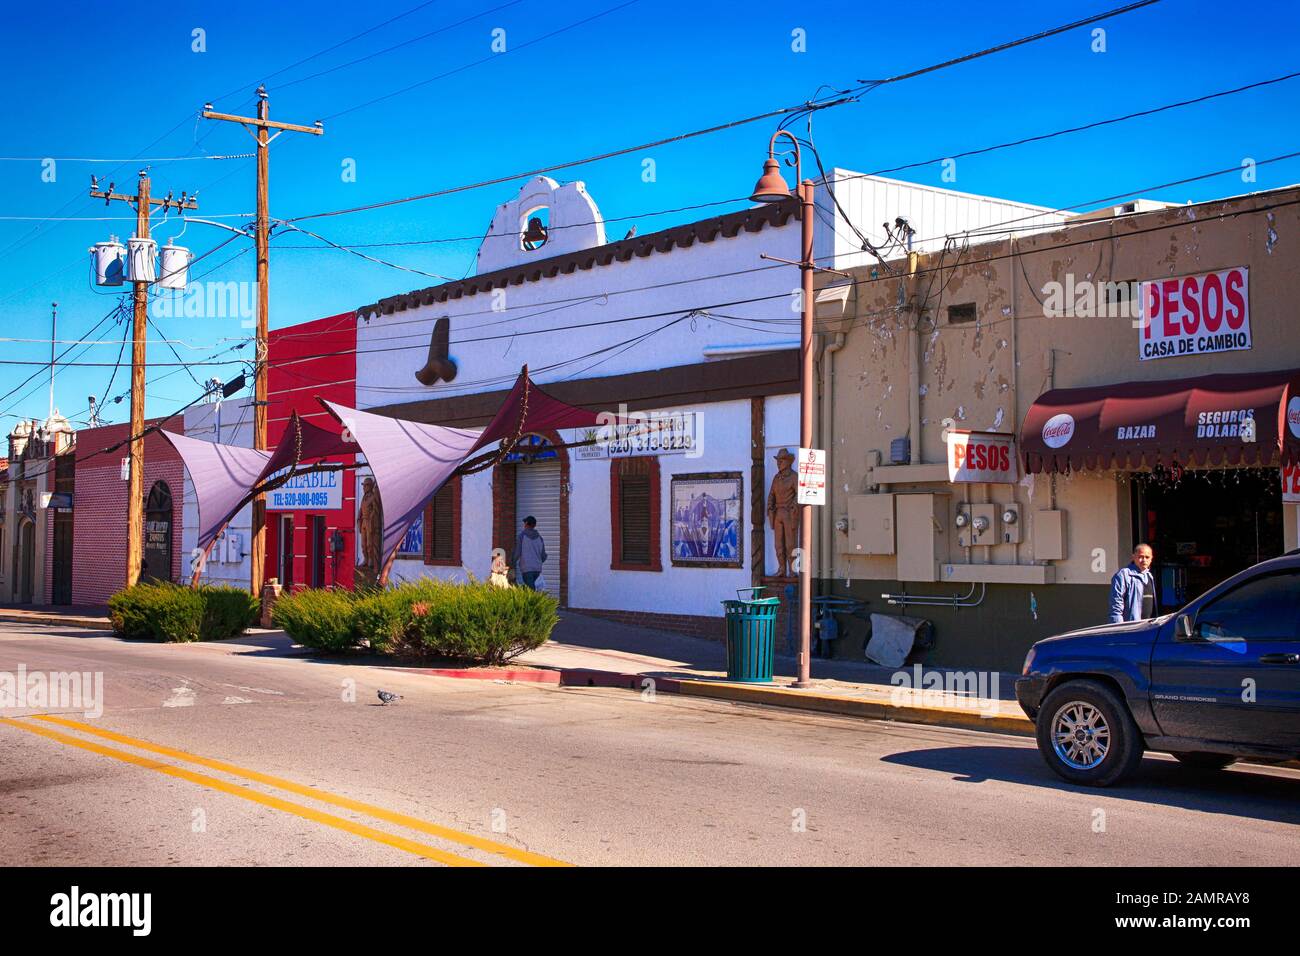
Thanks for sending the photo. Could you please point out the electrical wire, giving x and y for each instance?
(800, 110)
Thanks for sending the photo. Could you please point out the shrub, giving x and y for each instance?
(227, 611)
(384, 617)
(318, 618)
(483, 623)
(165, 611)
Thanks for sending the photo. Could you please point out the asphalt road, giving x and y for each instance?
(237, 754)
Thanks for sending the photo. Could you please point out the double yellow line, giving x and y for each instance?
(296, 809)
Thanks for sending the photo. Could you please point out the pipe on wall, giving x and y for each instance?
(826, 436)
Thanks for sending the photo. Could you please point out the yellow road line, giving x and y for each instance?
(246, 793)
(324, 796)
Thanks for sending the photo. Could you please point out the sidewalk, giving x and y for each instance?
(69, 615)
(595, 652)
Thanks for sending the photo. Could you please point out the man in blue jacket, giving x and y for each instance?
(1133, 588)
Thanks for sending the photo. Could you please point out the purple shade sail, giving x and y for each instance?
(316, 442)
(222, 476)
(543, 413)
(410, 462)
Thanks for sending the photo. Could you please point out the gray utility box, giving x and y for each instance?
(871, 525)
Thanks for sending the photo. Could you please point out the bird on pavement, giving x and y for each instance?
(386, 698)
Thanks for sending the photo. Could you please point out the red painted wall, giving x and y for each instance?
(307, 361)
(100, 505)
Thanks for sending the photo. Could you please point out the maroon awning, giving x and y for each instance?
(1191, 421)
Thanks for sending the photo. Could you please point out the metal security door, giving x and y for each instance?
(537, 493)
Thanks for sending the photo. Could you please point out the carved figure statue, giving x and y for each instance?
(783, 511)
(370, 527)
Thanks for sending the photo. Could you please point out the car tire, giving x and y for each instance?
(1205, 760)
(1104, 746)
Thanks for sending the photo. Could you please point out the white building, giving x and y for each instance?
(689, 323)
(230, 423)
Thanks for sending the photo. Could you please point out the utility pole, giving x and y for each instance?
(260, 127)
(135, 483)
(54, 334)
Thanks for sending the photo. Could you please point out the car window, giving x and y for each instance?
(1262, 609)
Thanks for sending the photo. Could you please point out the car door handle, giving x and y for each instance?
(1279, 658)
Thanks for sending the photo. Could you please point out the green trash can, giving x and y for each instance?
(751, 637)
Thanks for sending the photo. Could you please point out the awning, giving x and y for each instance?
(1238, 419)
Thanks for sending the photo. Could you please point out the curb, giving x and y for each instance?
(770, 696)
(858, 707)
(91, 623)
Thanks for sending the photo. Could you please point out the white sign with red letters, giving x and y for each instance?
(812, 476)
(1291, 484)
(982, 457)
(1195, 315)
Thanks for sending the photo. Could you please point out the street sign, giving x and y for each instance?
(812, 476)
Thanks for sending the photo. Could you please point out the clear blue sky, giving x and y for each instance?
(85, 80)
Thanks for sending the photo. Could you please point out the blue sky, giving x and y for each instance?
(79, 84)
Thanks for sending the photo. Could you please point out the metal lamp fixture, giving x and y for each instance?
(771, 187)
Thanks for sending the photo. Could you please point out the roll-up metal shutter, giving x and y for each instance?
(537, 493)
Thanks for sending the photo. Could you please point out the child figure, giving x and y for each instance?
(499, 569)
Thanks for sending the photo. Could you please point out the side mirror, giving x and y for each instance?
(1184, 627)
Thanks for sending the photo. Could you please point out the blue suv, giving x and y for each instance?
(1215, 681)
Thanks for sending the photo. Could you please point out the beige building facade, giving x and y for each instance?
(1138, 307)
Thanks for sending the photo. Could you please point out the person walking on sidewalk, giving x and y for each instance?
(530, 553)
(1133, 588)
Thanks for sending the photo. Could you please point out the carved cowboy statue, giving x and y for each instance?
(783, 511)
(370, 527)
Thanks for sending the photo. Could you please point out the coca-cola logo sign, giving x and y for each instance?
(1058, 430)
(1293, 416)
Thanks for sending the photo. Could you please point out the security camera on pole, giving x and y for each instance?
(141, 272)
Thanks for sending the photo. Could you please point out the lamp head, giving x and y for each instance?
(771, 186)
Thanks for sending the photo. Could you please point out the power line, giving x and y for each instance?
(489, 57)
(145, 159)
(396, 46)
(848, 96)
(329, 49)
(707, 308)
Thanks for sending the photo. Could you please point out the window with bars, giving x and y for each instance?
(634, 514)
(442, 525)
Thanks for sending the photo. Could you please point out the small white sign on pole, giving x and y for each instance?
(812, 476)
(126, 469)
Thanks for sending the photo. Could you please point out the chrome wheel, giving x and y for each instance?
(1080, 735)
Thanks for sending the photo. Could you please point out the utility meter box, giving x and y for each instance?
(922, 535)
(1011, 524)
(1049, 536)
(871, 525)
(977, 524)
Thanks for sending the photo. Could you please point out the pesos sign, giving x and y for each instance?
(1197, 314)
(812, 476)
(982, 457)
(1291, 484)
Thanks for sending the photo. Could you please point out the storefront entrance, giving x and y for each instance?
(1206, 525)
(537, 493)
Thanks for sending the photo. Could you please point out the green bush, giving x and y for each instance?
(384, 617)
(483, 623)
(317, 617)
(170, 612)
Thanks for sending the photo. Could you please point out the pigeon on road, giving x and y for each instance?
(386, 698)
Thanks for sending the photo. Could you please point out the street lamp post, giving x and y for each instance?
(771, 187)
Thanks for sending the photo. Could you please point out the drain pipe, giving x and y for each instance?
(827, 437)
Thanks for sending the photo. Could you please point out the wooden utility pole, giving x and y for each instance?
(135, 483)
(260, 127)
